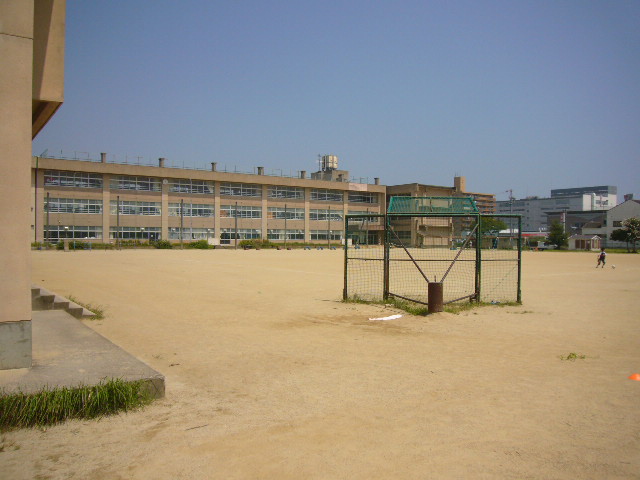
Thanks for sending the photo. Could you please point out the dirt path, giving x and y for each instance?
(269, 375)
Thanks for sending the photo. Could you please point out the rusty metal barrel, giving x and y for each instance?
(435, 297)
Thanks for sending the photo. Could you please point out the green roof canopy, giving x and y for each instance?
(442, 205)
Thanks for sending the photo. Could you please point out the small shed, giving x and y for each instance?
(584, 242)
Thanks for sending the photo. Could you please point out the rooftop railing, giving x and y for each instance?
(223, 168)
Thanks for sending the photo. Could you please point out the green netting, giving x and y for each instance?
(475, 257)
(421, 205)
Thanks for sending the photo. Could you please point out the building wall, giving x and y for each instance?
(16, 72)
(615, 217)
(534, 210)
(166, 226)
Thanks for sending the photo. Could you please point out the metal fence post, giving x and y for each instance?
(479, 259)
(385, 262)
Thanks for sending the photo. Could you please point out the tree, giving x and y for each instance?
(557, 235)
(632, 227)
(620, 235)
(491, 225)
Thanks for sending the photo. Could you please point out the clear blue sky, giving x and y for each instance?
(515, 95)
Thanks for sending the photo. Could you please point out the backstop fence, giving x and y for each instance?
(475, 257)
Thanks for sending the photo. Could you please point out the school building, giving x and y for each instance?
(99, 201)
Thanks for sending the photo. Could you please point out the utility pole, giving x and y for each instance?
(46, 240)
(285, 225)
(236, 227)
(329, 229)
(118, 222)
(181, 223)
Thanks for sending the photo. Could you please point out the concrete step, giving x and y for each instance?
(43, 299)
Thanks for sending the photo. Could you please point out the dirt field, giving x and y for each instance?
(270, 376)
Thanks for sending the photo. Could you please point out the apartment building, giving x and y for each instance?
(535, 211)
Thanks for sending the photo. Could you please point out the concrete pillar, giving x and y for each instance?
(103, 157)
(38, 198)
(303, 174)
(260, 170)
(376, 180)
(460, 184)
(16, 76)
(214, 166)
(161, 162)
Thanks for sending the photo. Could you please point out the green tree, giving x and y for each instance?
(620, 235)
(632, 227)
(491, 225)
(557, 235)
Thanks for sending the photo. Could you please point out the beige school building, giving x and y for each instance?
(98, 201)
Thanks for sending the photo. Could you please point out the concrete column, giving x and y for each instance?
(263, 224)
(39, 215)
(16, 52)
(106, 208)
(164, 217)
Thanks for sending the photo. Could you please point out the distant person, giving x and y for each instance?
(602, 258)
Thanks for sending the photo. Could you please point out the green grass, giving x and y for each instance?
(97, 309)
(572, 357)
(48, 407)
(419, 309)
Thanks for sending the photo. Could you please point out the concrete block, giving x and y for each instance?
(15, 345)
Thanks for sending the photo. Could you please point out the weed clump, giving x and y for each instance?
(48, 407)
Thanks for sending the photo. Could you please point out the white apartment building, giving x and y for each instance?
(535, 210)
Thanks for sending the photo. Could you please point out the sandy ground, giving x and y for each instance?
(270, 376)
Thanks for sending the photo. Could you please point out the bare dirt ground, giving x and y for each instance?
(270, 376)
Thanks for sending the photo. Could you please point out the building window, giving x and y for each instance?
(323, 214)
(191, 210)
(275, 234)
(73, 205)
(243, 211)
(403, 234)
(229, 234)
(143, 184)
(191, 186)
(191, 233)
(135, 233)
(361, 197)
(323, 195)
(136, 208)
(57, 178)
(322, 234)
(58, 232)
(617, 223)
(278, 213)
(368, 220)
(285, 192)
(241, 190)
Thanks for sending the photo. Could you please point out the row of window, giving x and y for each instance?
(57, 178)
(58, 232)
(73, 205)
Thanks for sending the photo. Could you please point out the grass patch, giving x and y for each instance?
(48, 407)
(419, 309)
(572, 357)
(97, 309)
